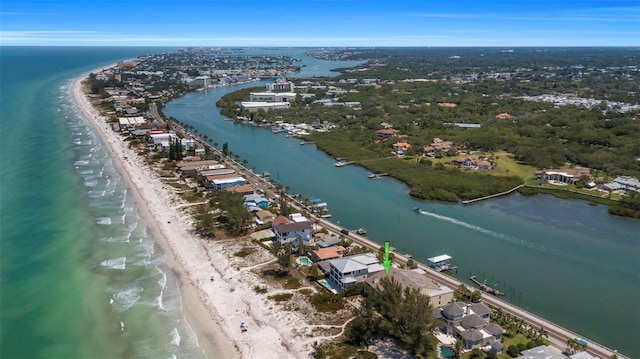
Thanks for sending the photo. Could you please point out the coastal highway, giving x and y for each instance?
(558, 336)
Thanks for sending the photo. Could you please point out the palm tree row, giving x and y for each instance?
(514, 325)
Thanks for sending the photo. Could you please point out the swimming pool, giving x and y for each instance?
(304, 261)
(325, 283)
(446, 352)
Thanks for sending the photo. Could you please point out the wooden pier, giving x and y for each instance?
(485, 288)
(493, 195)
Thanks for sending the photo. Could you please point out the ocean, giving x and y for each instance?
(81, 276)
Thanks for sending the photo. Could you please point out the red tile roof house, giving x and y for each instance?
(401, 147)
(387, 133)
(327, 253)
(281, 220)
(436, 145)
(474, 162)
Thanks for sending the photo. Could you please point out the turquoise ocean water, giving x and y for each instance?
(80, 275)
(78, 265)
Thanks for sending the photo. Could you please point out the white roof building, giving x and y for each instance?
(344, 272)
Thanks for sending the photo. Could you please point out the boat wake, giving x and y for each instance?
(480, 229)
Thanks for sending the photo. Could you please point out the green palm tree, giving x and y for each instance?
(458, 349)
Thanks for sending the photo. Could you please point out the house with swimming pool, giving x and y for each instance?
(470, 323)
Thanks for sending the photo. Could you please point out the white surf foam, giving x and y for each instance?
(175, 337)
(129, 297)
(115, 263)
(103, 220)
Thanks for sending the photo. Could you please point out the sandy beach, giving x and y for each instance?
(214, 309)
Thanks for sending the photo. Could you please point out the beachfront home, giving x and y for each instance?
(292, 233)
(347, 271)
(470, 323)
(438, 295)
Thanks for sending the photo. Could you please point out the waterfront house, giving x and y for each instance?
(470, 323)
(327, 241)
(563, 176)
(347, 271)
(222, 183)
(292, 233)
(417, 279)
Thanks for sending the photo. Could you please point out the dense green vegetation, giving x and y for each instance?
(629, 206)
(482, 83)
(610, 73)
(402, 314)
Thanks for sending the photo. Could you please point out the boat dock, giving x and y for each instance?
(306, 142)
(485, 288)
(493, 195)
(377, 175)
(441, 263)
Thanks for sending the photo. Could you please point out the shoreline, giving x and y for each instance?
(212, 316)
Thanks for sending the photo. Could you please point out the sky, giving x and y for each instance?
(320, 23)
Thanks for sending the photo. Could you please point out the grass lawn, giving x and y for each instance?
(506, 165)
(518, 338)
